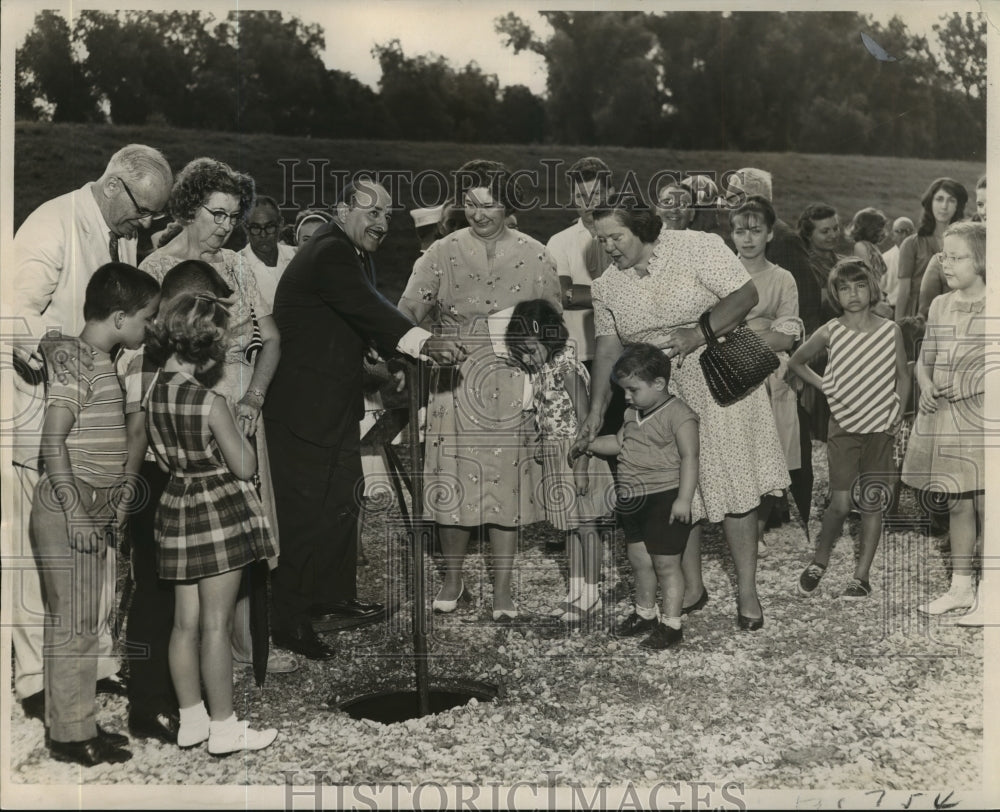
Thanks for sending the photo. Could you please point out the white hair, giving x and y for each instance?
(137, 163)
(755, 181)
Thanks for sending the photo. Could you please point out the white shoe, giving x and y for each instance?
(237, 737)
(977, 617)
(447, 607)
(762, 549)
(189, 735)
(949, 602)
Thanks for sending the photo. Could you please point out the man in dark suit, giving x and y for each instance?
(328, 313)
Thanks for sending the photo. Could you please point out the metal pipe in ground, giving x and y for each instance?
(420, 536)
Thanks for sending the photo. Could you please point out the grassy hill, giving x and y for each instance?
(51, 159)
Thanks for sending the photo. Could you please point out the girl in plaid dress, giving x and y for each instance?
(575, 496)
(209, 523)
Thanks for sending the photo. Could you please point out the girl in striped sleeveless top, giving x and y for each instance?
(866, 382)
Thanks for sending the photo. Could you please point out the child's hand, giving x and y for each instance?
(928, 399)
(896, 424)
(680, 511)
(582, 482)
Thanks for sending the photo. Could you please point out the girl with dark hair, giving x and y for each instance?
(943, 204)
(658, 286)
(575, 496)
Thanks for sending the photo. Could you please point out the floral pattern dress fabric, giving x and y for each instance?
(480, 465)
(688, 273)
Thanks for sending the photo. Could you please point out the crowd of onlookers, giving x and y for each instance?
(202, 400)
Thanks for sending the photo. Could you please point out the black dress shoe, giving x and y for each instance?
(305, 642)
(88, 753)
(698, 604)
(162, 726)
(34, 706)
(750, 624)
(351, 608)
(113, 685)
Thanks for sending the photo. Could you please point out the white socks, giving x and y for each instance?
(672, 622)
(194, 725)
(647, 613)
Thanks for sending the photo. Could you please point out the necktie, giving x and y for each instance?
(113, 246)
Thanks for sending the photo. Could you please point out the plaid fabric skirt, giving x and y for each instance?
(210, 524)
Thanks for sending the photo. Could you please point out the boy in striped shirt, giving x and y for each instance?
(867, 381)
(74, 513)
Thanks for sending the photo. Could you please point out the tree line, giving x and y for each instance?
(800, 81)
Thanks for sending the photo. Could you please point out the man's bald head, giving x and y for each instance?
(902, 228)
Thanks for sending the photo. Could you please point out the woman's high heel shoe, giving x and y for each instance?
(750, 624)
(447, 607)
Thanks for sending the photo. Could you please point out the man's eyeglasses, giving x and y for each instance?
(142, 211)
(257, 229)
(220, 217)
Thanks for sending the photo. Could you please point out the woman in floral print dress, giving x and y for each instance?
(660, 283)
(479, 465)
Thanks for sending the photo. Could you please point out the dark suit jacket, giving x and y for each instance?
(787, 250)
(328, 312)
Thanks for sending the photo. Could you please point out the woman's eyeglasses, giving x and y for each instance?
(257, 229)
(950, 258)
(220, 217)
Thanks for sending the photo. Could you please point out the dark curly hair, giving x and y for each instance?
(491, 175)
(927, 222)
(193, 327)
(203, 177)
(535, 318)
(810, 214)
(633, 213)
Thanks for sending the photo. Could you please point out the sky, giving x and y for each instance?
(460, 30)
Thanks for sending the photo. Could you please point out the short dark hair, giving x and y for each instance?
(644, 361)
(633, 213)
(491, 175)
(927, 222)
(118, 286)
(203, 177)
(194, 276)
(588, 169)
(812, 213)
(756, 206)
(536, 318)
(852, 269)
(867, 225)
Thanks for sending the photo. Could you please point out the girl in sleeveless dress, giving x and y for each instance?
(209, 523)
(866, 382)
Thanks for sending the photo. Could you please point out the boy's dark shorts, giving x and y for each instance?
(646, 517)
(865, 459)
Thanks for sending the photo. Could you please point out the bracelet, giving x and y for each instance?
(256, 393)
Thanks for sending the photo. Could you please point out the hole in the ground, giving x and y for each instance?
(389, 707)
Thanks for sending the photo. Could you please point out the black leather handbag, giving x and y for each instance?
(735, 364)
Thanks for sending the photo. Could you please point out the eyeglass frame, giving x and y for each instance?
(266, 228)
(949, 258)
(142, 211)
(218, 215)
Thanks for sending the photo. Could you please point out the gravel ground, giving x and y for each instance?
(830, 695)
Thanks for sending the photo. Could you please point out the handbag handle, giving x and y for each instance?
(706, 328)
